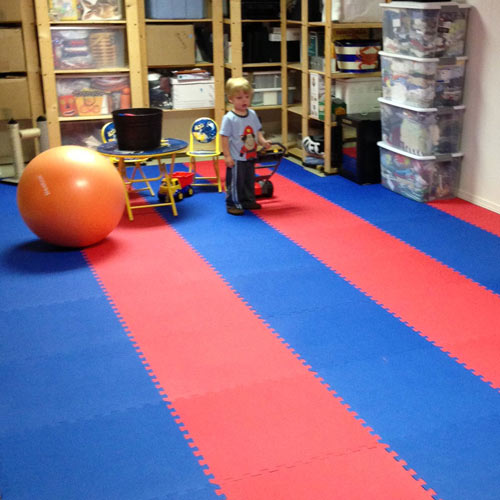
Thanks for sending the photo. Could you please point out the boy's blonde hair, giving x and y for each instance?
(236, 85)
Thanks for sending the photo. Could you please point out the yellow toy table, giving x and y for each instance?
(168, 147)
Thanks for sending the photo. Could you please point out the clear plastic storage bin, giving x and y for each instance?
(435, 29)
(88, 48)
(423, 82)
(85, 10)
(422, 131)
(86, 133)
(424, 178)
(188, 94)
(175, 9)
(264, 79)
(271, 97)
(92, 95)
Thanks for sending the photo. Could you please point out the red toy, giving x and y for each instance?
(180, 182)
(268, 161)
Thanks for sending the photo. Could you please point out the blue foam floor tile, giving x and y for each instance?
(468, 249)
(33, 272)
(394, 379)
(441, 450)
(417, 389)
(31, 333)
(40, 274)
(347, 333)
(317, 290)
(137, 454)
(71, 386)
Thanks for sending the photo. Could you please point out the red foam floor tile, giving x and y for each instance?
(473, 214)
(246, 401)
(432, 298)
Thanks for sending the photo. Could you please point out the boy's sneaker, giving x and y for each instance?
(235, 211)
(252, 206)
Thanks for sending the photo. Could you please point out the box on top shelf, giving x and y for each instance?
(423, 178)
(14, 98)
(175, 9)
(92, 95)
(354, 11)
(88, 48)
(422, 131)
(423, 82)
(170, 45)
(10, 11)
(85, 10)
(436, 29)
(12, 58)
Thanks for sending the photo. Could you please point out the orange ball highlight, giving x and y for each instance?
(71, 196)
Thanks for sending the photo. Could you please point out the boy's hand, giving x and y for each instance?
(229, 162)
(266, 144)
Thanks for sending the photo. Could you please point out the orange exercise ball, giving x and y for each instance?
(71, 196)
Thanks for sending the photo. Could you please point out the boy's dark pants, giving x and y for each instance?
(240, 184)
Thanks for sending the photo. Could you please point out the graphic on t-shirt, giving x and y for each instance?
(249, 148)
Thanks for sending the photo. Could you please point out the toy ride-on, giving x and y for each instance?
(267, 163)
(180, 184)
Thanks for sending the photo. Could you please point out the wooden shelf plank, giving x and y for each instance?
(90, 71)
(180, 21)
(296, 109)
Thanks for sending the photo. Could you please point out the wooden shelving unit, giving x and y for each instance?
(332, 32)
(133, 23)
(25, 20)
(270, 115)
(184, 117)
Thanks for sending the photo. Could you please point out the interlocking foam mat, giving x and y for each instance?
(342, 342)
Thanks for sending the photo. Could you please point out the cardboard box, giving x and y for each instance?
(316, 94)
(170, 45)
(14, 98)
(12, 54)
(10, 11)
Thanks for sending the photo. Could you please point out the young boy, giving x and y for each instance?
(241, 132)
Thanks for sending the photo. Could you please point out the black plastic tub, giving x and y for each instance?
(138, 129)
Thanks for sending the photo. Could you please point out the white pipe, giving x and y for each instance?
(44, 133)
(29, 133)
(17, 149)
(17, 136)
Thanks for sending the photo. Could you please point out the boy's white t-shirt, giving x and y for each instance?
(242, 133)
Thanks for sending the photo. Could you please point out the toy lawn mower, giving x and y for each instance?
(268, 160)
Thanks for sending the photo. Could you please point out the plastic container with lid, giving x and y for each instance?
(91, 95)
(88, 48)
(420, 178)
(357, 56)
(422, 131)
(423, 82)
(420, 29)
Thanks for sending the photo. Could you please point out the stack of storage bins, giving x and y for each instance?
(423, 70)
